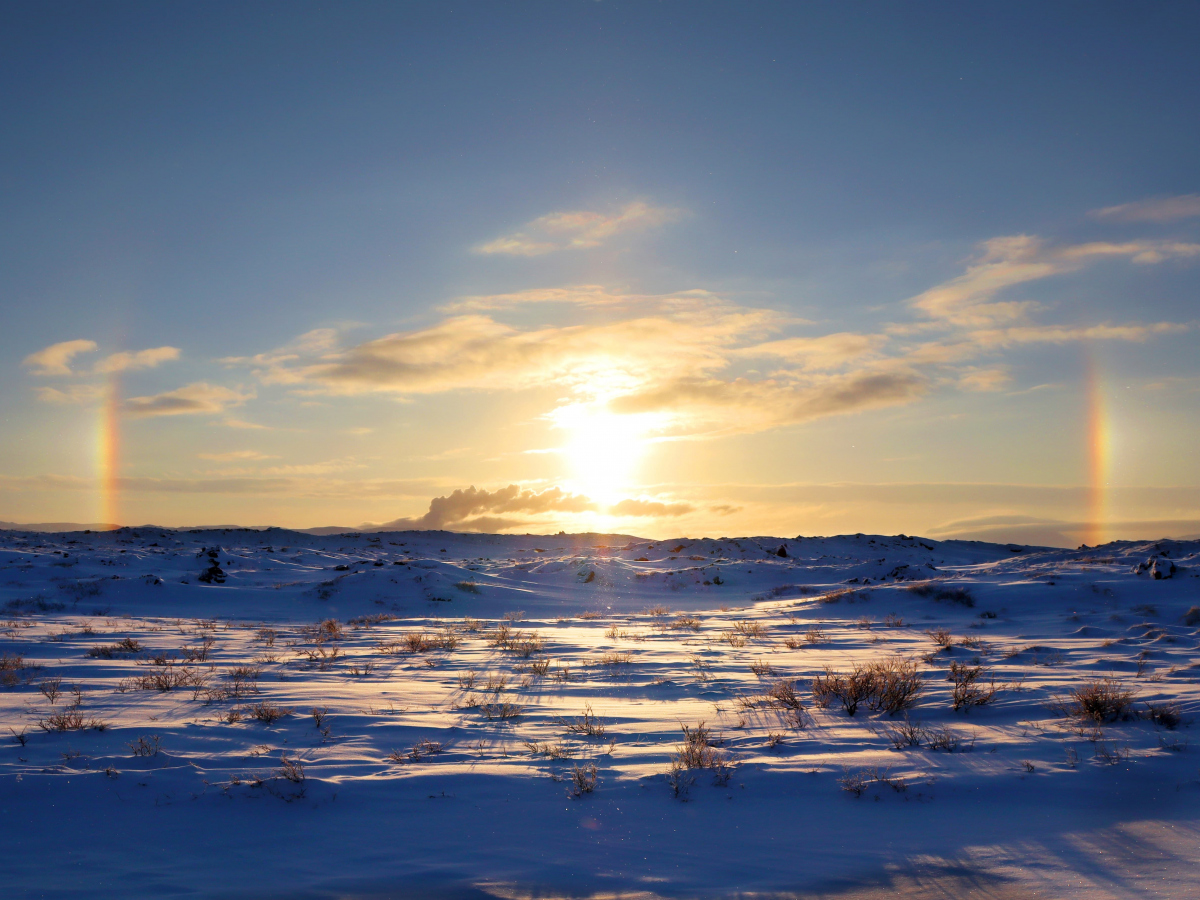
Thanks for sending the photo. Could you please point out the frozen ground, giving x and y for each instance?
(160, 738)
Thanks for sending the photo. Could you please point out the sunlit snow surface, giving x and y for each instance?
(447, 769)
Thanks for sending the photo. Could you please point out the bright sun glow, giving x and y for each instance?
(603, 450)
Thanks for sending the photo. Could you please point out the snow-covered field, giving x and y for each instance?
(236, 713)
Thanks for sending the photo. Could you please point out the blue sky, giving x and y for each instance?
(221, 180)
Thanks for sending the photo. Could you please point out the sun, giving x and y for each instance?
(602, 450)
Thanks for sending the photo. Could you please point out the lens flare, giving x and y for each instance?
(108, 445)
(1099, 452)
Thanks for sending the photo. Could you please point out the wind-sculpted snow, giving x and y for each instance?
(273, 713)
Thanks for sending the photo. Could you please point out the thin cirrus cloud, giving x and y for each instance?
(970, 300)
(235, 456)
(673, 337)
(129, 362)
(577, 230)
(688, 357)
(1155, 209)
(72, 395)
(200, 398)
(56, 360)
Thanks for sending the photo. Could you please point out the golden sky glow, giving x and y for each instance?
(708, 286)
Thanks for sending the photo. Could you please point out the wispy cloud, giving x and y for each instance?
(1155, 209)
(142, 359)
(235, 456)
(194, 399)
(684, 357)
(577, 230)
(636, 507)
(970, 300)
(72, 394)
(713, 407)
(56, 359)
(671, 339)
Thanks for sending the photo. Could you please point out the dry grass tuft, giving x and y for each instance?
(291, 769)
(503, 711)
(123, 647)
(269, 713)
(583, 779)
(697, 752)
(146, 746)
(420, 751)
(1165, 715)
(761, 668)
(960, 595)
(1102, 700)
(587, 724)
(941, 637)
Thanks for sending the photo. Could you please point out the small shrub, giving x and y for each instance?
(960, 595)
(495, 684)
(123, 647)
(783, 693)
(1100, 701)
(750, 629)
(896, 685)
(698, 752)
(855, 781)
(850, 690)
(941, 637)
(146, 746)
(1165, 715)
(815, 635)
(1111, 756)
(50, 688)
(904, 734)
(70, 719)
(587, 724)
(969, 688)
(420, 751)
(943, 738)
(291, 769)
(583, 779)
(492, 711)
(269, 713)
(761, 668)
